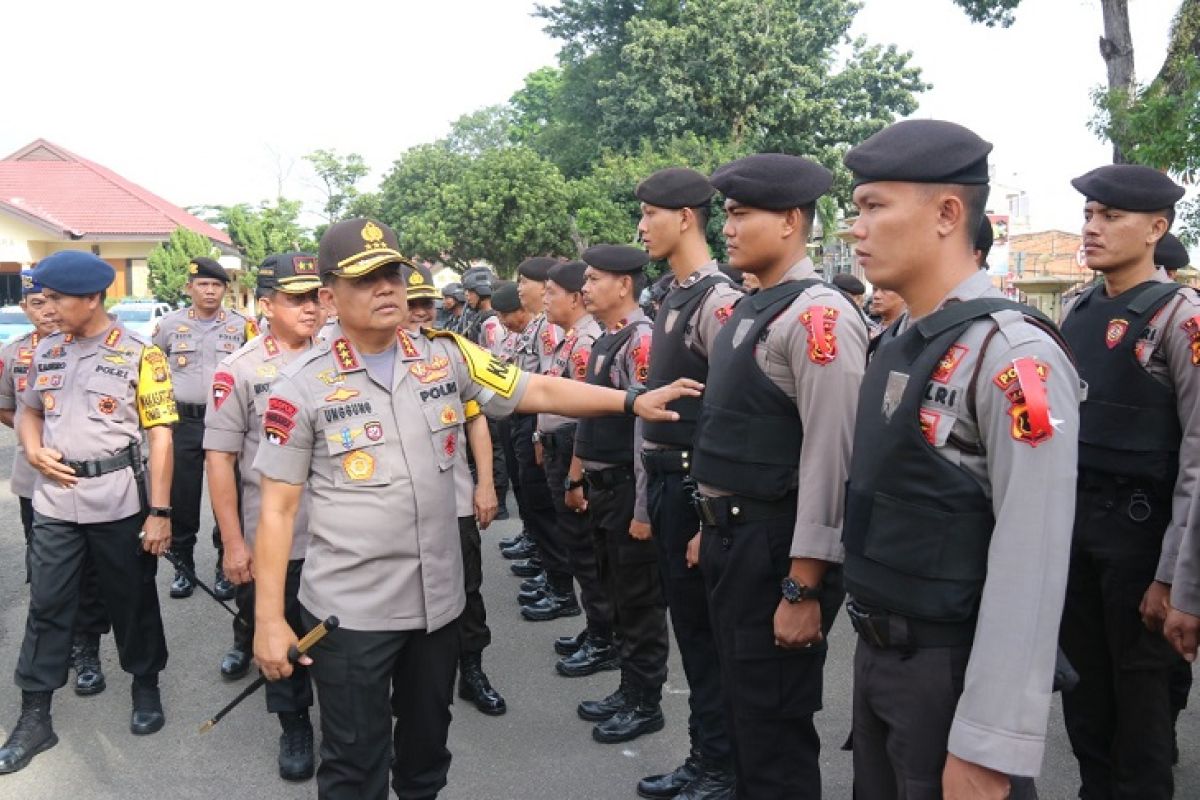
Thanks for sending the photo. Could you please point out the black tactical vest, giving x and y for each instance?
(473, 328)
(917, 527)
(607, 439)
(673, 359)
(749, 435)
(1128, 425)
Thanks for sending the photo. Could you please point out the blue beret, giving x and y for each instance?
(28, 284)
(1131, 187)
(773, 181)
(74, 272)
(619, 258)
(921, 151)
(1170, 253)
(675, 187)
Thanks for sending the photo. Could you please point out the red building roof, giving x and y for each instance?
(58, 190)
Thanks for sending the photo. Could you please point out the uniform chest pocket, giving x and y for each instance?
(183, 343)
(357, 459)
(108, 398)
(260, 403)
(445, 419)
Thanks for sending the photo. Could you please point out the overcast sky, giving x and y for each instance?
(217, 106)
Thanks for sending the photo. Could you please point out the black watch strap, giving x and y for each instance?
(160, 511)
(631, 396)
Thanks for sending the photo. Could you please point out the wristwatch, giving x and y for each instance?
(160, 511)
(537, 436)
(795, 592)
(571, 485)
(631, 396)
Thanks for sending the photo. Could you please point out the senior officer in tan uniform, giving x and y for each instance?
(675, 206)
(772, 447)
(16, 359)
(195, 339)
(288, 284)
(1135, 339)
(959, 503)
(93, 390)
(371, 424)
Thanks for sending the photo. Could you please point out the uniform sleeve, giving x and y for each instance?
(8, 386)
(1183, 360)
(155, 397)
(713, 314)
(30, 396)
(636, 371)
(287, 434)
(495, 386)
(159, 336)
(1029, 425)
(227, 418)
(826, 351)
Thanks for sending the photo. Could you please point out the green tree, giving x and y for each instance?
(338, 177)
(167, 263)
(488, 128)
(414, 201)
(258, 231)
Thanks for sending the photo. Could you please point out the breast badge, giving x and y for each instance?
(358, 466)
(340, 394)
(1115, 332)
(107, 405)
(448, 415)
(181, 361)
(430, 371)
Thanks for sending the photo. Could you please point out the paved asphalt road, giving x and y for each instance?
(540, 749)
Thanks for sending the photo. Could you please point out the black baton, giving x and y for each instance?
(191, 576)
(294, 652)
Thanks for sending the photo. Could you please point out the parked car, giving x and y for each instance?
(140, 316)
(13, 323)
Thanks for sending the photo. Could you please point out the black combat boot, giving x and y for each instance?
(552, 606)
(716, 781)
(672, 783)
(182, 585)
(565, 645)
(147, 714)
(473, 685)
(504, 544)
(236, 663)
(33, 733)
(295, 746)
(85, 657)
(596, 655)
(521, 550)
(223, 588)
(538, 581)
(600, 710)
(642, 714)
(526, 568)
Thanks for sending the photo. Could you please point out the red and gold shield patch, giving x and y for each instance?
(1024, 384)
(1192, 328)
(949, 363)
(819, 321)
(1115, 332)
(724, 313)
(929, 424)
(222, 387)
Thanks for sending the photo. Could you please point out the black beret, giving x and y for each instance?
(201, 267)
(849, 284)
(1131, 187)
(354, 247)
(983, 237)
(773, 181)
(1170, 253)
(569, 275)
(536, 268)
(291, 273)
(478, 282)
(675, 187)
(506, 298)
(74, 272)
(455, 291)
(619, 258)
(921, 151)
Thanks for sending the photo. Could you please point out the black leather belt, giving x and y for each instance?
(191, 410)
(664, 461)
(721, 511)
(888, 631)
(129, 457)
(603, 480)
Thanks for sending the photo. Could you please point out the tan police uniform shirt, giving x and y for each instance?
(233, 423)
(1169, 350)
(974, 415)
(378, 462)
(494, 337)
(96, 395)
(822, 375)
(630, 366)
(16, 358)
(195, 346)
(569, 360)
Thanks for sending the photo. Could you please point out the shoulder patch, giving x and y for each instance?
(819, 322)
(222, 387)
(484, 368)
(1024, 384)
(1191, 327)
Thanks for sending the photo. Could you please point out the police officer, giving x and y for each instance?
(475, 502)
(370, 423)
(605, 461)
(484, 328)
(232, 436)
(592, 650)
(771, 450)
(454, 303)
(93, 389)
(195, 339)
(888, 307)
(958, 509)
(15, 360)
(1135, 339)
(675, 205)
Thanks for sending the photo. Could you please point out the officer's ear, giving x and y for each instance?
(325, 298)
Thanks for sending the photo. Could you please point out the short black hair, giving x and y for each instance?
(640, 281)
(702, 215)
(809, 212)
